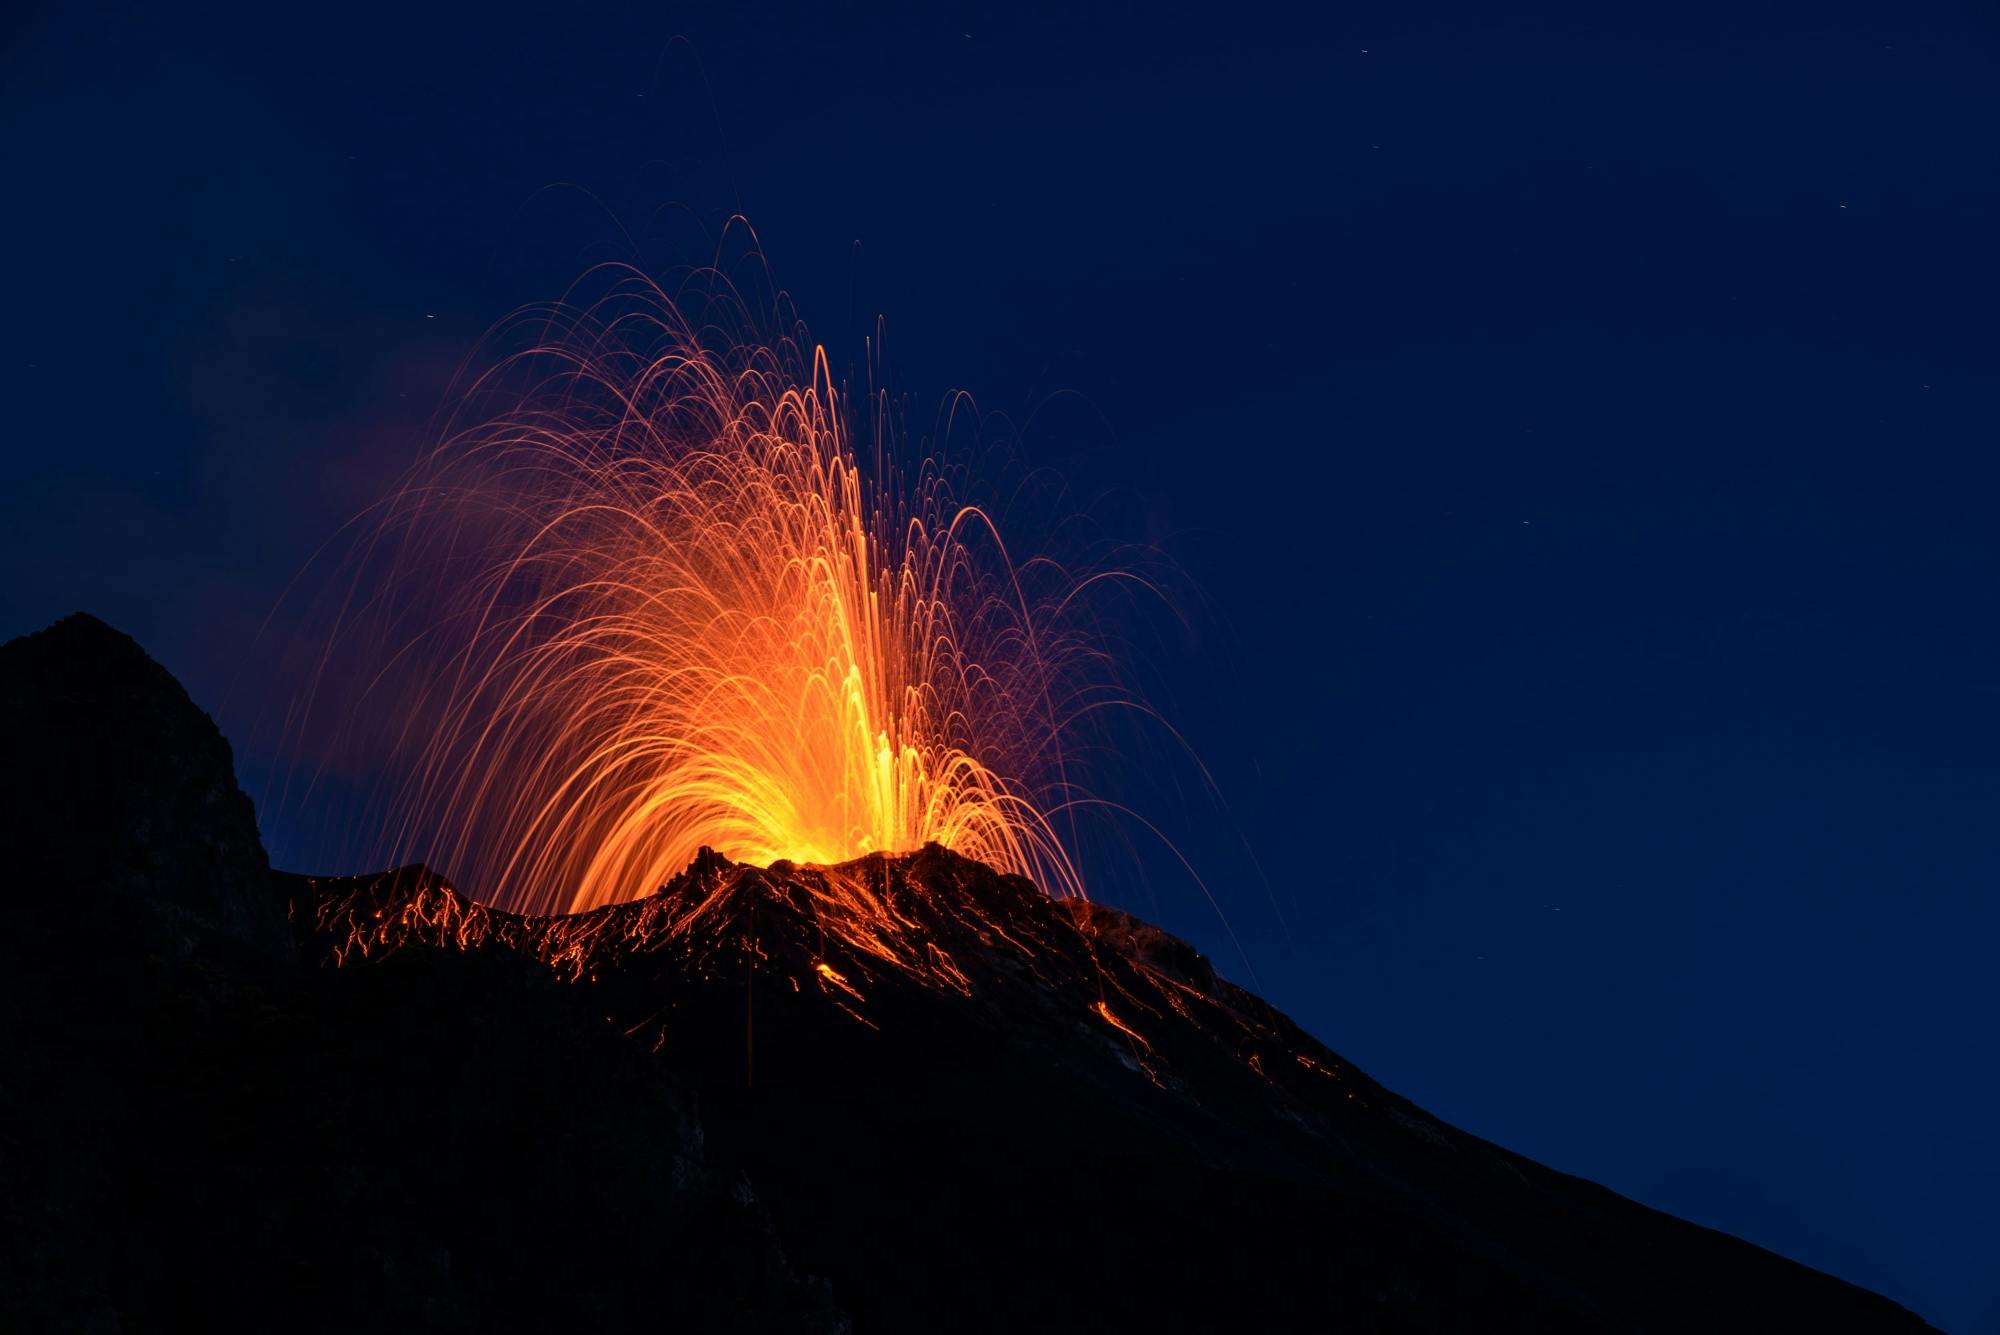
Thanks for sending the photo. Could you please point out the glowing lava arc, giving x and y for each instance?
(654, 602)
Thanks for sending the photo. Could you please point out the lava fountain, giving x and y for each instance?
(645, 597)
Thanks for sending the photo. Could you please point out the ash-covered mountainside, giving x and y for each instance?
(955, 1090)
(962, 1104)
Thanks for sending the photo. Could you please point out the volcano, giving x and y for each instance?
(907, 1092)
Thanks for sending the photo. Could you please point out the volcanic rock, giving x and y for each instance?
(972, 1105)
(199, 1133)
(116, 782)
(967, 1105)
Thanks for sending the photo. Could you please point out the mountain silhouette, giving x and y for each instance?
(904, 1093)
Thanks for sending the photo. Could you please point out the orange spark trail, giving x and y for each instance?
(653, 602)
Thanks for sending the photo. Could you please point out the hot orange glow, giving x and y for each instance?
(847, 937)
(675, 610)
(1104, 1013)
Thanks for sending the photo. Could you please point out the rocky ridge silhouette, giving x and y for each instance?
(232, 1096)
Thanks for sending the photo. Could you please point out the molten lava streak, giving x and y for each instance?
(653, 601)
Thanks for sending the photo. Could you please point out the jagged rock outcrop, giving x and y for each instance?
(198, 1132)
(117, 783)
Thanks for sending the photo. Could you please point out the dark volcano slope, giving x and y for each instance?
(964, 1104)
(1037, 1112)
(200, 1132)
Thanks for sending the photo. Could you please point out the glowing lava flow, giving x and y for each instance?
(673, 610)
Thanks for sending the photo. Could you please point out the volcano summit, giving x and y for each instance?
(899, 1093)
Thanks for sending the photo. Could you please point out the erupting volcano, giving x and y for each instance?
(372, 1100)
(648, 597)
(774, 1002)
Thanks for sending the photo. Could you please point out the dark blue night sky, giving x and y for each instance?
(1580, 424)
